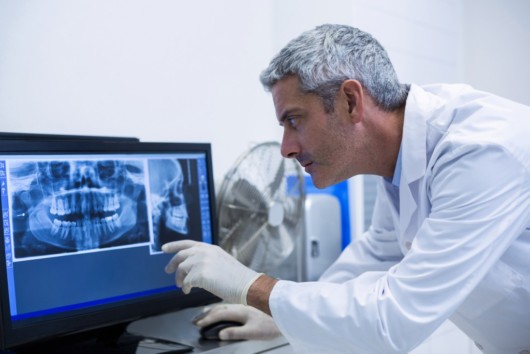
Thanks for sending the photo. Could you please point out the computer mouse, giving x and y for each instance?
(211, 332)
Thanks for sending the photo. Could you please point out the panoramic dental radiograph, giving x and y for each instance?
(77, 205)
(170, 212)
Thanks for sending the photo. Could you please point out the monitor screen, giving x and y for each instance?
(83, 225)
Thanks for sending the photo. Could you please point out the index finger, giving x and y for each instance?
(176, 246)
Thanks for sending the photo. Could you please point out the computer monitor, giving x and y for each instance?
(83, 223)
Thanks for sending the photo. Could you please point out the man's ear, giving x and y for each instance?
(353, 92)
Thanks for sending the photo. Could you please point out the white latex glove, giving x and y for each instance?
(256, 324)
(209, 267)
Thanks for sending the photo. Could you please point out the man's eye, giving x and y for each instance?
(292, 122)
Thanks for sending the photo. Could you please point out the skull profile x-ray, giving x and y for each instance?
(77, 205)
(173, 194)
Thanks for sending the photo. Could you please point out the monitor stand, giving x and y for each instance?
(109, 340)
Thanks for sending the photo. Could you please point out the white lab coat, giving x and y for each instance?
(453, 242)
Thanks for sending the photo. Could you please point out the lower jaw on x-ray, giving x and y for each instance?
(168, 200)
(71, 205)
(71, 227)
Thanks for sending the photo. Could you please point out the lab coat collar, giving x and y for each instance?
(414, 135)
(420, 107)
(397, 171)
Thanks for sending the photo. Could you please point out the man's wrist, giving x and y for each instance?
(259, 293)
(249, 282)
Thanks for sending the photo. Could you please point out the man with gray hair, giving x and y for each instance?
(450, 233)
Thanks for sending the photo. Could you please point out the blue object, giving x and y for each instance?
(340, 191)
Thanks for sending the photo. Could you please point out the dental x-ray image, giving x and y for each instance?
(63, 206)
(174, 200)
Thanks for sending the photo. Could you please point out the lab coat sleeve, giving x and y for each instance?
(480, 204)
(375, 249)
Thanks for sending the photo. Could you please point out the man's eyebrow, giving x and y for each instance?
(286, 114)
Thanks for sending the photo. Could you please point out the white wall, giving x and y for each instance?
(158, 70)
(496, 49)
(167, 70)
(421, 37)
(188, 70)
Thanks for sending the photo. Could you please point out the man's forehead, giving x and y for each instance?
(284, 92)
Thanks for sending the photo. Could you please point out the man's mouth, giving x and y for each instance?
(306, 164)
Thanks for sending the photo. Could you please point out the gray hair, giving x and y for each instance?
(323, 58)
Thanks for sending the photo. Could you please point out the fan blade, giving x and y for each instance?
(245, 250)
(292, 210)
(246, 204)
(226, 233)
(246, 195)
(275, 245)
(274, 187)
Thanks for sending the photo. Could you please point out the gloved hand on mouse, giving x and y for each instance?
(256, 324)
(198, 264)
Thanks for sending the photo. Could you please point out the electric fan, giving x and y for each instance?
(260, 207)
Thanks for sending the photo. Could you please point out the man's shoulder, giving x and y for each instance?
(449, 91)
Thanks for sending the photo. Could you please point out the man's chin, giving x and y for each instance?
(320, 183)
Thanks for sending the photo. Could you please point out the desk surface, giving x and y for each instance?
(178, 327)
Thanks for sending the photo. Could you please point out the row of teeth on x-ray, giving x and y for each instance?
(75, 229)
(84, 203)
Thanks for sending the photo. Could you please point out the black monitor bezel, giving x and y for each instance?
(123, 312)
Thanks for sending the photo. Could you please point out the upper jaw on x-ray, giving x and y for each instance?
(77, 205)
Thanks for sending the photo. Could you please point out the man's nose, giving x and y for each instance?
(289, 148)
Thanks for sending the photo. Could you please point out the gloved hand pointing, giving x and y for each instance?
(209, 267)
